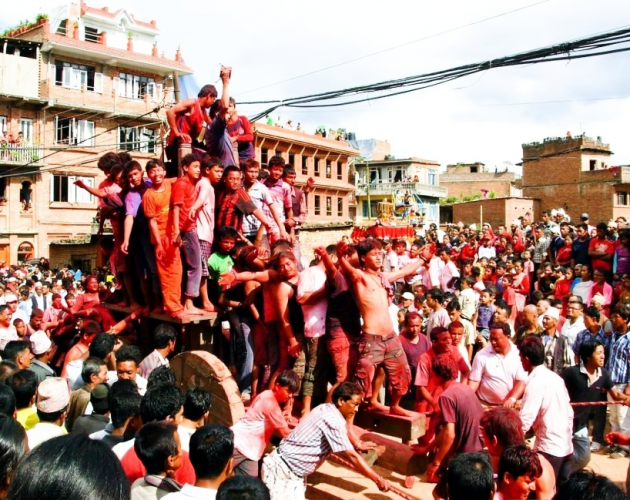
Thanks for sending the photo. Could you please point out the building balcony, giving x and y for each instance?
(11, 154)
(387, 188)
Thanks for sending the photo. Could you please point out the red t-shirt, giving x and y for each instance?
(134, 469)
(602, 246)
(184, 194)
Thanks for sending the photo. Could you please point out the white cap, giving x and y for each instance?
(552, 312)
(40, 343)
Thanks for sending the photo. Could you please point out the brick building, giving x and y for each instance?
(496, 211)
(575, 173)
(77, 84)
(325, 160)
(475, 179)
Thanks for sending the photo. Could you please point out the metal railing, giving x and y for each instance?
(17, 154)
(411, 187)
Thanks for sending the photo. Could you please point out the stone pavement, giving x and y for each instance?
(334, 482)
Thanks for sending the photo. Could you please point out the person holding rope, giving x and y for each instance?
(323, 432)
(589, 383)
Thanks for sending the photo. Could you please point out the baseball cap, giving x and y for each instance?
(407, 296)
(40, 343)
(98, 397)
(52, 395)
(584, 216)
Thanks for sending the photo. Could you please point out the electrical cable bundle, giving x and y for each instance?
(592, 46)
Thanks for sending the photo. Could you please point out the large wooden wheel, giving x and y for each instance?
(202, 369)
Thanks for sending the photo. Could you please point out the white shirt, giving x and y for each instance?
(189, 491)
(487, 252)
(546, 408)
(43, 431)
(496, 374)
(311, 280)
(449, 271)
(121, 449)
(570, 331)
(7, 335)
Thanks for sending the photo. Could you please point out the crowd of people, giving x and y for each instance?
(493, 334)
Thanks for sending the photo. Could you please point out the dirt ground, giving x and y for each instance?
(334, 482)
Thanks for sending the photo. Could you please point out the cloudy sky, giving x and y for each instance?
(484, 117)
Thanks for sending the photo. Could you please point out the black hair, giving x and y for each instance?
(345, 391)
(592, 312)
(124, 156)
(91, 327)
(75, 467)
(188, 160)
(436, 332)
(436, 294)
(453, 305)
(243, 488)
(13, 348)
(123, 405)
(107, 161)
(123, 385)
(208, 90)
(129, 353)
(470, 476)
(504, 327)
(197, 403)
(288, 170)
(7, 368)
(131, 166)
(163, 335)
(621, 309)
(226, 232)
(160, 403)
(12, 448)
(290, 379)
(211, 448)
(587, 485)
(24, 386)
(154, 444)
(102, 345)
(587, 349)
(276, 161)
(154, 163)
(210, 161)
(532, 349)
(91, 366)
(519, 461)
(7, 400)
(160, 376)
(51, 417)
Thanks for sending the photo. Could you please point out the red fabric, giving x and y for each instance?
(184, 194)
(467, 252)
(601, 246)
(391, 232)
(134, 469)
(190, 124)
(564, 255)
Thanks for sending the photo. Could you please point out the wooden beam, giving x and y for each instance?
(405, 428)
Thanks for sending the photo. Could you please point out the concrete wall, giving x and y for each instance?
(18, 75)
(322, 236)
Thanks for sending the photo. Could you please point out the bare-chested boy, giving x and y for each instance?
(379, 345)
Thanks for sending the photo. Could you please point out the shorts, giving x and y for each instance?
(376, 350)
(314, 382)
(206, 247)
(344, 353)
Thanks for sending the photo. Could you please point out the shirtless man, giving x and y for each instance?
(379, 345)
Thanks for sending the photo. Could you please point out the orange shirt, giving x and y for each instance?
(157, 206)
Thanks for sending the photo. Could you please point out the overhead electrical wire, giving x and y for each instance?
(592, 46)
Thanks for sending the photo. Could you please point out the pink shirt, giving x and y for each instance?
(254, 430)
(205, 216)
(281, 195)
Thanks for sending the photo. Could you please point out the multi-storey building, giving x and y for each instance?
(75, 84)
(325, 160)
(475, 179)
(408, 184)
(575, 173)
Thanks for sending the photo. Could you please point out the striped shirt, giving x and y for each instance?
(321, 433)
(586, 336)
(618, 364)
(231, 207)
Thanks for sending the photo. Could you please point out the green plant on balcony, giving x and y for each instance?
(41, 16)
(492, 194)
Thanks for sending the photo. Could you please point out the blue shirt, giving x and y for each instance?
(618, 363)
(586, 335)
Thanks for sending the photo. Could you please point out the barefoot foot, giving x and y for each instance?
(376, 406)
(397, 410)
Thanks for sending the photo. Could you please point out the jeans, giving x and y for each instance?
(245, 354)
(581, 455)
(619, 421)
(191, 257)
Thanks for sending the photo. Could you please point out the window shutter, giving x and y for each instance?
(159, 88)
(151, 90)
(98, 82)
(52, 186)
